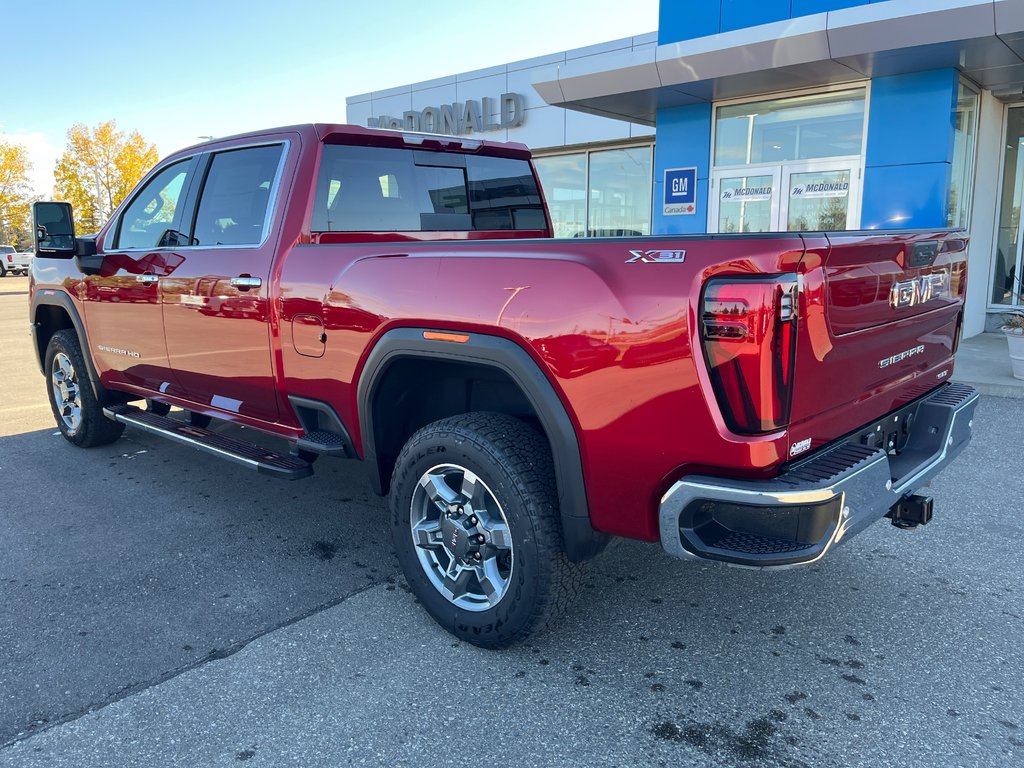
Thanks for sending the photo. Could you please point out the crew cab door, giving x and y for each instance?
(216, 304)
(122, 308)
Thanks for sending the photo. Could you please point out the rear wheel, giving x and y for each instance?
(76, 409)
(3, 271)
(476, 526)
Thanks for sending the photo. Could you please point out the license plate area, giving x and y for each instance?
(890, 433)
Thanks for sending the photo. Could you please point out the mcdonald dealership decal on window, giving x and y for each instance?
(821, 189)
(747, 194)
(680, 191)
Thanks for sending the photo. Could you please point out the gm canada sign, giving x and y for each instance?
(680, 192)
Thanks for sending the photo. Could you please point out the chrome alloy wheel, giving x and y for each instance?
(461, 536)
(66, 392)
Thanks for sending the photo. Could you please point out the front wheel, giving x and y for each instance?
(475, 520)
(78, 413)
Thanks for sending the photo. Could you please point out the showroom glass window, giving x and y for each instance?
(1006, 283)
(793, 128)
(600, 193)
(965, 133)
(788, 164)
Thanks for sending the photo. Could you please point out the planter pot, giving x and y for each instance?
(1016, 342)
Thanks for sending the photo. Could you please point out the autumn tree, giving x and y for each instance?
(98, 169)
(14, 190)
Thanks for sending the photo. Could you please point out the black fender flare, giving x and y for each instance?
(581, 540)
(53, 298)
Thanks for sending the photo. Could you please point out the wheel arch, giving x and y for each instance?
(504, 364)
(55, 311)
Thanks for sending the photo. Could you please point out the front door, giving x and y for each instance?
(802, 196)
(122, 308)
(216, 304)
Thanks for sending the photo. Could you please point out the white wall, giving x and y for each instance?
(983, 215)
(544, 126)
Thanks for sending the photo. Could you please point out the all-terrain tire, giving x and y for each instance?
(514, 462)
(93, 428)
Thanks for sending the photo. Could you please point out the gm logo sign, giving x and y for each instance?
(680, 191)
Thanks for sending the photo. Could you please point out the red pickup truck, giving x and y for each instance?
(398, 298)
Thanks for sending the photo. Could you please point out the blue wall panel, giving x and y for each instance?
(911, 118)
(737, 14)
(683, 140)
(909, 150)
(686, 19)
(905, 196)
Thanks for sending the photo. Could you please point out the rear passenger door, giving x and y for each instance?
(216, 304)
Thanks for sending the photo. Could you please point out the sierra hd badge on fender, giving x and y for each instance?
(657, 257)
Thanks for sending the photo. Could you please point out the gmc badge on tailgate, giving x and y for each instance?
(910, 293)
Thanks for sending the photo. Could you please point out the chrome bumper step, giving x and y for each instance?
(799, 515)
(247, 454)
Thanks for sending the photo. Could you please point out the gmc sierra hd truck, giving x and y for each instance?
(399, 299)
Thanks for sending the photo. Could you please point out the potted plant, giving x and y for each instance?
(1014, 330)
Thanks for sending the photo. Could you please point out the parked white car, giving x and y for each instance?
(14, 262)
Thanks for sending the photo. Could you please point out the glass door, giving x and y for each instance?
(1006, 278)
(745, 201)
(803, 196)
(820, 196)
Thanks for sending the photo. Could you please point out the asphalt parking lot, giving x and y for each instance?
(162, 608)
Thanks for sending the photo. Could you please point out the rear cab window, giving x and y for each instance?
(379, 189)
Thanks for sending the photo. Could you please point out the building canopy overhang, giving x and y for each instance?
(984, 39)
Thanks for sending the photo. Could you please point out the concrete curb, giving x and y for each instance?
(991, 389)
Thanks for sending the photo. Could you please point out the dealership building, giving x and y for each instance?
(769, 115)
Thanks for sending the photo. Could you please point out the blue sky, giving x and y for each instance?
(179, 70)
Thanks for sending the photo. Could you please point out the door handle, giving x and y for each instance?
(148, 278)
(245, 282)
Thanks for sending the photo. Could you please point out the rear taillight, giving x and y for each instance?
(749, 337)
(10, 258)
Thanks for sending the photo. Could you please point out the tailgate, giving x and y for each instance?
(880, 313)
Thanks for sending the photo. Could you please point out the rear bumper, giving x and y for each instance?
(797, 517)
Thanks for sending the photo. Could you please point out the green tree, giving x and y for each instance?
(100, 166)
(14, 190)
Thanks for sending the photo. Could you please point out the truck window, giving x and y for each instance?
(154, 211)
(235, 196)
(376, 189)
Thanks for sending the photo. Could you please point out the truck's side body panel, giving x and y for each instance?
(614, 324)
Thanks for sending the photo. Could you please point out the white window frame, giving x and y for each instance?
(850, 85)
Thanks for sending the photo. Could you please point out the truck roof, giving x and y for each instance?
(341, 133)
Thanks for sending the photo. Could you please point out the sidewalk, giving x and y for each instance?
(984, 362)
